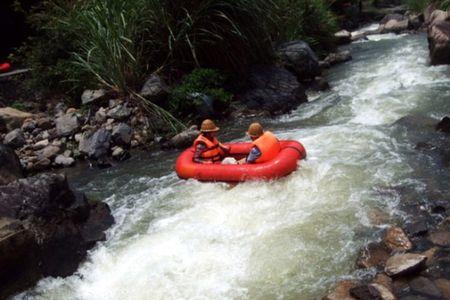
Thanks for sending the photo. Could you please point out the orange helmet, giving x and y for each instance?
(208, 126)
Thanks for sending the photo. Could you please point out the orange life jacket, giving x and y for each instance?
(213, 152)
(268, 145)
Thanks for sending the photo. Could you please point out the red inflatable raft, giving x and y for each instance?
(284, 164)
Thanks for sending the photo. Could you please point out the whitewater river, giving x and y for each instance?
(288, 239)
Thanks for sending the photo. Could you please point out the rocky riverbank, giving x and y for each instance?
(46, 228)
(411, 258)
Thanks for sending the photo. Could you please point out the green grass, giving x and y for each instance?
(420, 5)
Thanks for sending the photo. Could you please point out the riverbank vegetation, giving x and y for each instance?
(117, 44)
(420, 5)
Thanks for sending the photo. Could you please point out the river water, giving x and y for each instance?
(288, 239)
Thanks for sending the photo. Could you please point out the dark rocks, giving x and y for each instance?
(425, 287)
(120, 112)
(119, 154)
(342, 291)
(95, 145)
(417, 227)
(15, 139)
(155, 88)
(439, 42)
(404, 264)
(336, 58)
(444, 125)
(45, 230)
(381, 292)
(49, 152)
(299, 58)
(67, 124)
(440, 238)
(395, 26)
(10, 168)
(121, 134)
(185, 139)
(361, 292)
(89, 96)
(11, 118)
(390, 17)
(373, 255)
(272, 89)
(343, 37)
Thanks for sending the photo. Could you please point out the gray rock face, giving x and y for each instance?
(119, 112)
(272, 89)
(185, 139)
(67, 124)
(299, 58)
(95, 145)
(121, 134)
(155, 88)
(10, 168)
(439, 43)
(437, 16)
(404, 263)
(395, 26)
(89, 96)
(15, 139)
(45, 230)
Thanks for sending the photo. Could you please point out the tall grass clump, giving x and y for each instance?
(420, 5)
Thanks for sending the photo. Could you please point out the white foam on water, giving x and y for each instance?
(287, 239)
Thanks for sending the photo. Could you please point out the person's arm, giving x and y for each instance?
(253, 155)
(198, 152)
(225, 149)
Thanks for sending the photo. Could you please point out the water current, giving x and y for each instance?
(287, 239)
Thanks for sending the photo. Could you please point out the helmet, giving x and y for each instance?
(208, 126)
(255, 130)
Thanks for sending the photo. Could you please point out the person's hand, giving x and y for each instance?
(241, 161)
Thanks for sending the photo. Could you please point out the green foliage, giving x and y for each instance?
(20, 106)
(185, 98)
(420, 5)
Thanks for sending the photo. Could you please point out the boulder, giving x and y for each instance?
(100, 115)
(336, 58)
(415, 21)
(41, 144)
(67, 125)
(273, 89)
(11, 118)
(119, 112)
(29, 125)
(41, 165)
(299, 58)
(10, 167)
(440, 238)
(343, 37)
(46, 229)
(373, 255)
(44, 123)
(437, 16)
(15, 139)
(155, 88)
(395, 26)
(121, 134)
(185, 139)
(60, 109)
(428, 11)
(120, 154)
(362, 292)
(396, 239)
(390, 17)
(381, 292)
(444, 287)
(95, 145)
(439, 43)
(426, 287)
(89, 96)
(49, 152)
(341, 291)
(64, 161)
(444, 125)
(404, 264)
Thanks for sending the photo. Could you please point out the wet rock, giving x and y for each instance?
(95, 145)
(15, 139)
(444, 125)
(273, 89)
(390, 17)
(10, 167)
(336, 58)
(155, 88)
(120, 154)
(45, 230)
(64, 161)
(404, 264)
(440, 238)
(361, 292)
(439, 42)
(89, 96)
(381, 292)
(415, 21)
(428, 11)
(320, 84)
(299, 58)
(444, 286)
(417, 227)
(11, 118)
(424, 286)
(185, 139)
(121, 134)
(373, 255)
(119, 112)
(394, 26)
(67, 124)
(342, 291)
(343, 37)
(383, 280)
(437, 16)
(49, 152)
(396, 239)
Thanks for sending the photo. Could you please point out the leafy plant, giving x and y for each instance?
(187, 97)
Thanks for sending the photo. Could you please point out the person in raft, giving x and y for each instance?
(207, 147)
(265, 145)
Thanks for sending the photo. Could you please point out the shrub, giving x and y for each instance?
(420, 5)
(186, 98)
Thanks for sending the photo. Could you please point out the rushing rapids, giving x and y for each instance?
(288, 239)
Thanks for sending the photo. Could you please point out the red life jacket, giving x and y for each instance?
(268, 145)
(213, 152)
